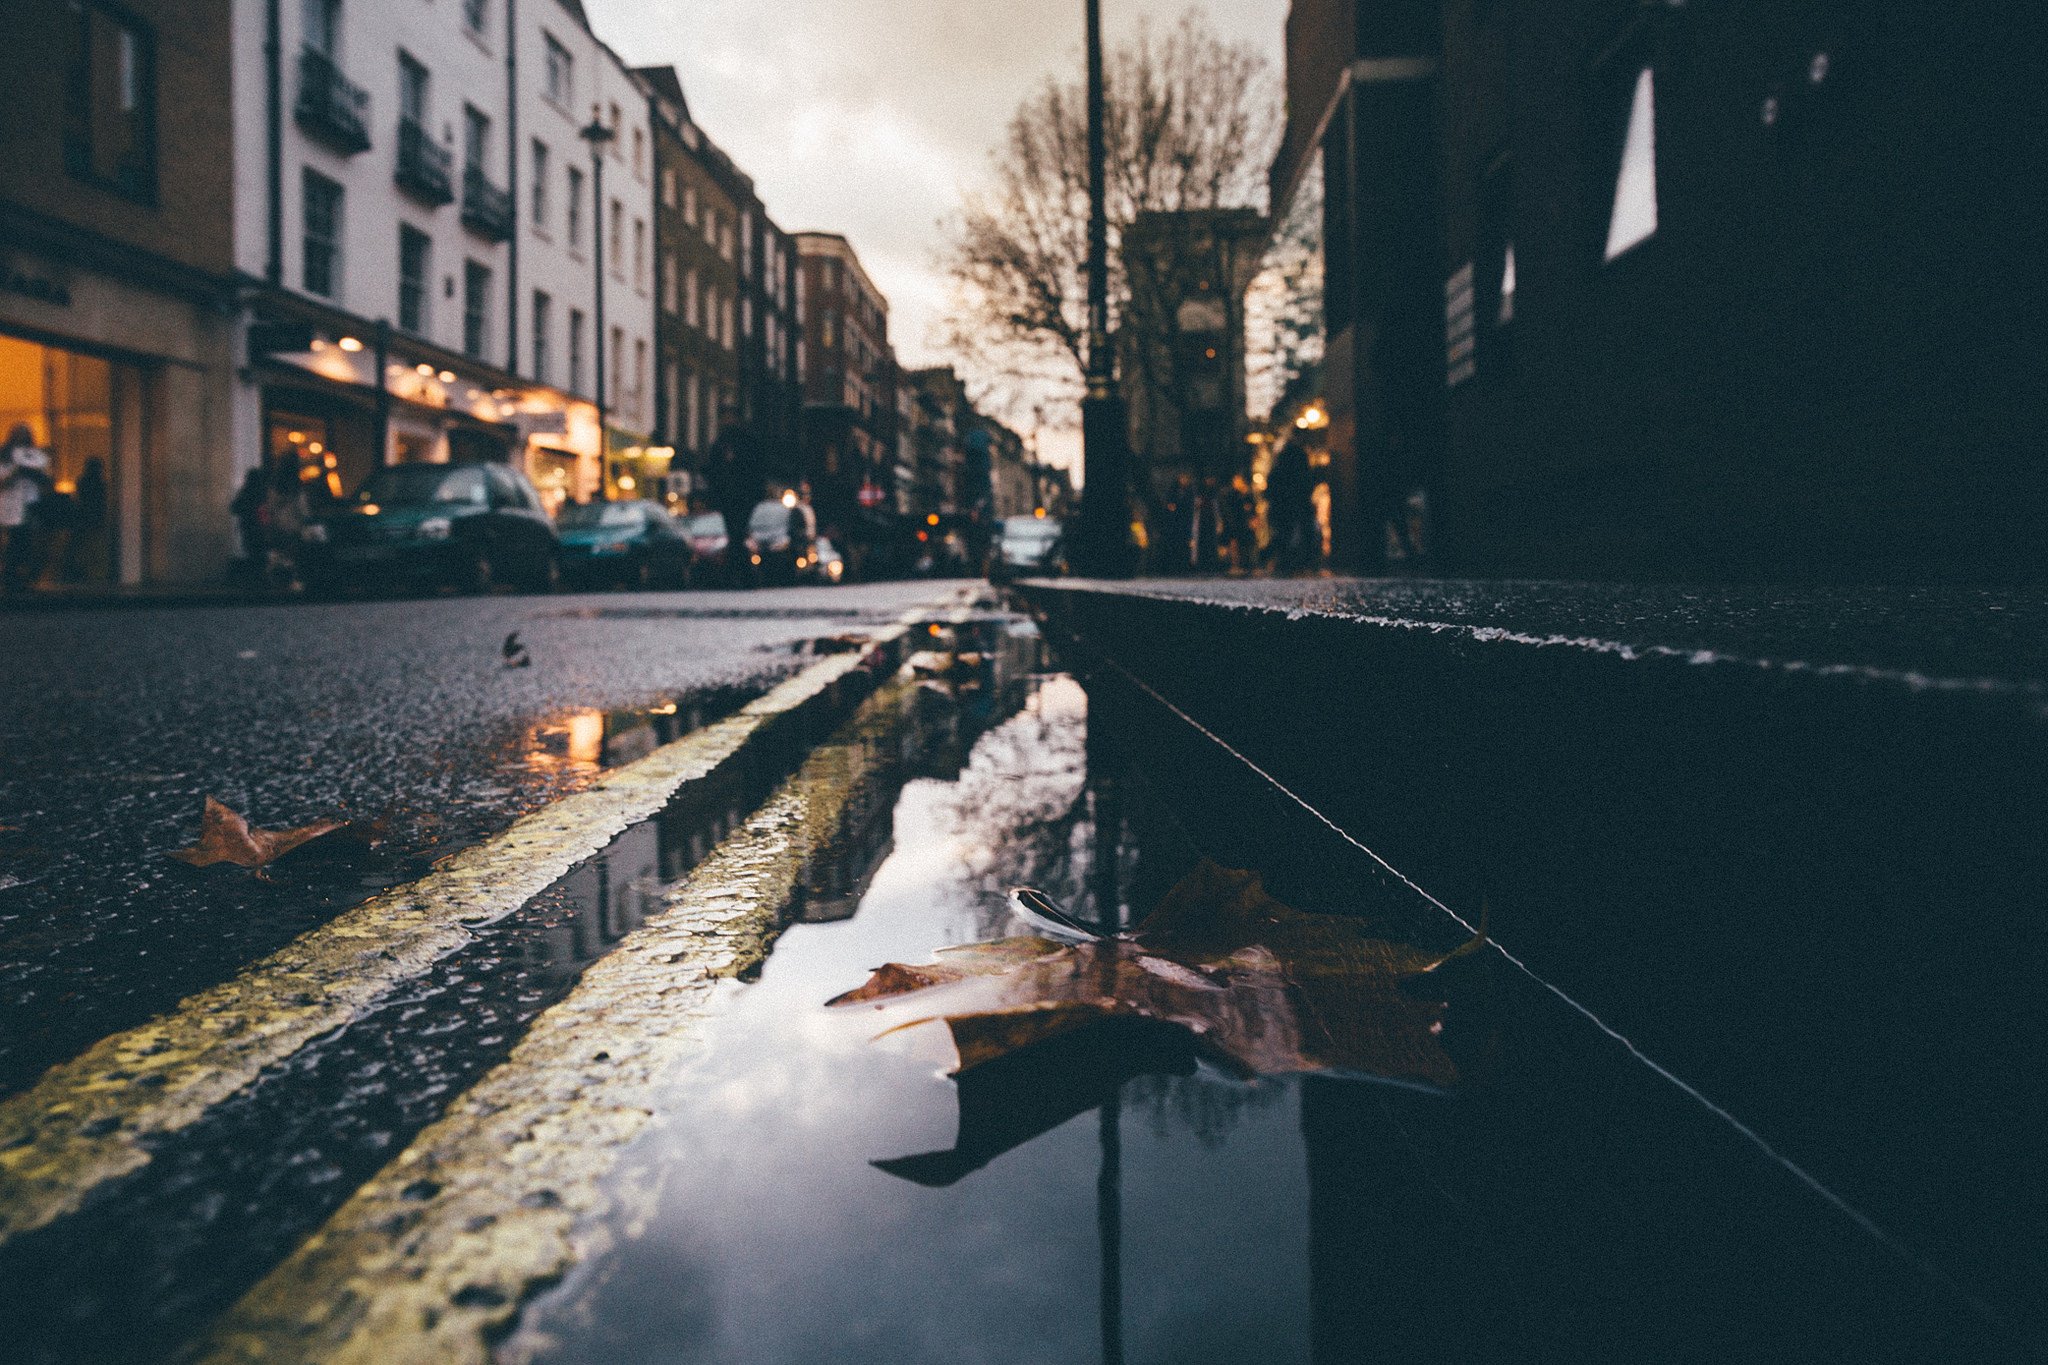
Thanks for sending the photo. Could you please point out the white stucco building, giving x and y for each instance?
(416, 203)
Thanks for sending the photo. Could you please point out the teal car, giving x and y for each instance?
(624, 544)
(473, 526)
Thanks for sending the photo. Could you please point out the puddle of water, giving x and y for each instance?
(1562, 1205)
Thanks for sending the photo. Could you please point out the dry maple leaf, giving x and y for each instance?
(225, 837)
(1261, 988)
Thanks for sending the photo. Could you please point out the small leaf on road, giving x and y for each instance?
(225, 837)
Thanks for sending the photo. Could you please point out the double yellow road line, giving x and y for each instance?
(92, 1120)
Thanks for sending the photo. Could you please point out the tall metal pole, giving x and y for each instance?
(597, 134)
(1101, 373)
(1104, 499)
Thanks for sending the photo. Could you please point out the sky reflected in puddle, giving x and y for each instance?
(802, 1198)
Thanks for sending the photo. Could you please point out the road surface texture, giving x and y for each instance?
(115, 725)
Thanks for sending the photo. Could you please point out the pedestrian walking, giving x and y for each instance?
(285, 513)
(24, 482)
(1290, 508)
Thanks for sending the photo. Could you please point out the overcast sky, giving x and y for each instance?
(870, 117)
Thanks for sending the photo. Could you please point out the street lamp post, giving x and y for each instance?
(598, 134)
(1104, 499)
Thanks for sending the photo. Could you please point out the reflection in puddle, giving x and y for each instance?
(1138, 1206)
(585, 741)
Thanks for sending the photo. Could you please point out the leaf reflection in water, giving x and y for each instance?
(1220, 972)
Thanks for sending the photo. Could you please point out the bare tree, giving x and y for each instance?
(1192, 124)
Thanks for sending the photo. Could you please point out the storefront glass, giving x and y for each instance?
(66, 399)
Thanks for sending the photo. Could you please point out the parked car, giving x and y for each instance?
(472, 525)
(1028, 547)
(623, 544)
(774, 553)
(711, 547)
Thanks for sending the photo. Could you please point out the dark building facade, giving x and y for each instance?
(1661, 290)
(849, 376)
(698, 192)
(117, 328)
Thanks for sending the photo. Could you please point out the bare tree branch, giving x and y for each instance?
(1192, 123)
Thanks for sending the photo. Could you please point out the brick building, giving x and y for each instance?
(117, 330)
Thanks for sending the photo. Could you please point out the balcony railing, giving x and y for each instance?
(426, 169)
(486, 209)
(330, 107)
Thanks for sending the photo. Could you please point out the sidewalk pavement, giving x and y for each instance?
(83, 598)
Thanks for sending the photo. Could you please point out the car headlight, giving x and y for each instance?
(836, 570)
(435, 528)
(314, 534)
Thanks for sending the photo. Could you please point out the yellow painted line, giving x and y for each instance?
(432, 1259)
(89, 1121)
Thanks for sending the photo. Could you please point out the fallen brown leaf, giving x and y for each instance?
(1263, 989)
(225, 837)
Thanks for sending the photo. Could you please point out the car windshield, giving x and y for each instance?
(1031, 528)
(589, 516)
(416, 484)
(705, 525)
(769, 519)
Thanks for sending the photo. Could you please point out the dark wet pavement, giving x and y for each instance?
(1562, 1203)
(115, 725)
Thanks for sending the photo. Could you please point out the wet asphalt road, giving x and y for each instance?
(116, 724)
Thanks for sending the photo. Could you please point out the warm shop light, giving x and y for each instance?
(1313, 418)
(626, 483)
(932, 520)
(1040, 514)
(297, 438)
(371, 509)
(447, 376)
(351, 344)
(425, 370)
(789, 499)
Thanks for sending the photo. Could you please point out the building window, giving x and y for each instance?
(690, 205)
(672, 390)
(321, 22)
(412, 89)
(110, 124)
(640, 253)
(476, 137)
(668, 187)
(561, 72)
(617, 244)
(691, 292)
(1634, 217)
(575, 207)
(575, 350)
(668, 282)
(618, 364)
(322, 212)
(476, 307)
(639, 154)
(543, 325)
(474, 15)
(691, 433)
(540, 183)
(414, 259)
(640, 377)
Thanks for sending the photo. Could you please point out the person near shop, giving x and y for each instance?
(1290, 509)
(247, 509)
(85, 549)
(24, 482)
(285, 513)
